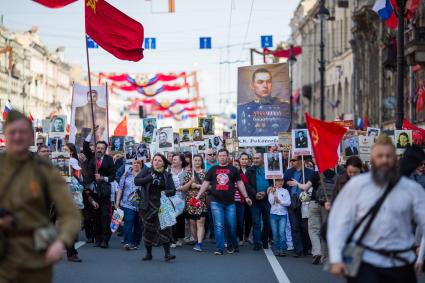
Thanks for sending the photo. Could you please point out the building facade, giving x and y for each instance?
(338, 61)
(34, 79)
(360, 69)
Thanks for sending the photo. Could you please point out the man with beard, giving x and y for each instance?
(389, 243)
(100, 175)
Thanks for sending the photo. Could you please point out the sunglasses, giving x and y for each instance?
(293, 160)
(39, 143)
(212, 154)
(423, 164)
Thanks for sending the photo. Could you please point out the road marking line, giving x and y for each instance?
(277, 268)
(79, 244)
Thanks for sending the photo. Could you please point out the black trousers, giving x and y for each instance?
(247, 221)
(179, 228)
(371, 274)
(102, 220)
(305, 237)
(296, 229)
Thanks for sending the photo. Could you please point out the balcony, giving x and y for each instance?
(415, 46)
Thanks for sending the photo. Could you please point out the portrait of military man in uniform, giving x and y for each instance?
(185, 135)
(207, 124)
(83, 116)
(81, 122)
(149, 126)
(57, 127)
(197, 134)
(117, 144)
(165, 139)
(263, 107)
(60, 160)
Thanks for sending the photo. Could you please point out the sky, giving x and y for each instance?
(234, 25)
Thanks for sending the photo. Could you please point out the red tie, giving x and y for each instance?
(99, 163)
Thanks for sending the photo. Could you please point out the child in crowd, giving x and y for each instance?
(279, 199)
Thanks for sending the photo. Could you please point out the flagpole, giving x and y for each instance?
(302, 162)
(91, 97)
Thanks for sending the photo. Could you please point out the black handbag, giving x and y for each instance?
(295, 202)
(103, 190)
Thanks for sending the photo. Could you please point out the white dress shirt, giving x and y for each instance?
(392, 227)
(279, 208)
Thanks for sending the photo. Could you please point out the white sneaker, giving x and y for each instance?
(290, 248)
(173, 246)
(179, 243)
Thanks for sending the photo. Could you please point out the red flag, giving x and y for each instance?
(31, 118)
(418, 134)
(325, 138)
(121, 129)
(421, 99)
(284, 53)
(114, 31)
(55, 3)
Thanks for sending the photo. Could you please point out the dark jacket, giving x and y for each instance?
(107, 168)
(340, 183)
(289, 175)
(144, 179)
(251, 186)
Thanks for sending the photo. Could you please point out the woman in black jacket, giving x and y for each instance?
(155, 183)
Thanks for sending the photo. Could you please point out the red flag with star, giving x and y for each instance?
(113, 30)
(325, 139)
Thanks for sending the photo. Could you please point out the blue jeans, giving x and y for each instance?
(278, 225)
(132, 229)
(261, 211)
(240, 216)
(224, 216)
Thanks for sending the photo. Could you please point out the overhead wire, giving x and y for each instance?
(247, 29)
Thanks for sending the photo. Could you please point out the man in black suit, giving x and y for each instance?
(100, 175)
(301, 140)
(351, 149)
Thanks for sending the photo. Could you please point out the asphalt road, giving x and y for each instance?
(117, 265)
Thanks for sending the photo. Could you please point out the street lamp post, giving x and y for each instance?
(292, 60)
(322, 15)
(400, 64)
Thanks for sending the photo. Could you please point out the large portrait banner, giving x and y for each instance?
(81, 116)
(264, 108)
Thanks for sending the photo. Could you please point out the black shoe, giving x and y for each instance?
(230, 250)
(169, 257)
(297, 255)
(265, 246)
(237, 250)
(257, 248)
(316, 259)
(96, 244)
(282, 254)
(90, 241)
(74, 258)
(104, 245)
(147, 257)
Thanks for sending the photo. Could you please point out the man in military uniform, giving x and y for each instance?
(84, 120)
(265, 115)
(27, 188)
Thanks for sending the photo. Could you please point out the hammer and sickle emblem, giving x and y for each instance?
(92, 5)
(314, 135)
